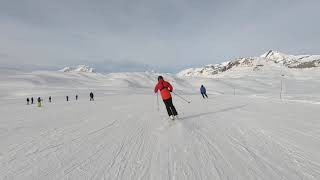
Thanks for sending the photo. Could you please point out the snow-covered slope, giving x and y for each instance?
(79, 68)
(243, 131)
(49, 82)
(267, 60)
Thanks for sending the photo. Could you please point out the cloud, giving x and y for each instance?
(166, 34)
(4, 55)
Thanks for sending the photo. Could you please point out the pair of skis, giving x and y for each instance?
(173, 118)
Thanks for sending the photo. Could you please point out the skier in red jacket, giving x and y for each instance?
(165, 88)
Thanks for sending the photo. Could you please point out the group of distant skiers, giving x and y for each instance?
(31, 99)
(163, 86)
(165, 89)
(39, 100)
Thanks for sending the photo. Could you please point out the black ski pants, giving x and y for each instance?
(170, 108)
(204, 95)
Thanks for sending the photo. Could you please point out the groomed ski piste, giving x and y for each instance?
(243, 131)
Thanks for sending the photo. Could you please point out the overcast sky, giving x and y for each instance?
(166, 34)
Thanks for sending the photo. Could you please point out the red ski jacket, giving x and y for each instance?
(165, 88)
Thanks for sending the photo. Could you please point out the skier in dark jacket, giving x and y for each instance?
(39, 102)
(28, 101)
(91, 96)
(67, 98)
(50, 99)
(203, 92)
(76, 96)
(31, 100)
(165, 88)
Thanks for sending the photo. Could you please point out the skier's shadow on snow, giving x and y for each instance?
(214, 112)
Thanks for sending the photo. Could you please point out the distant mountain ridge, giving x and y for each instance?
(79, 68)
(257, 63)
(293, 61)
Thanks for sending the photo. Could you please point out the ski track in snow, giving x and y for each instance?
(103, 144)
(121, 135)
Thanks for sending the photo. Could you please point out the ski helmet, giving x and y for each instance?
(159, 78)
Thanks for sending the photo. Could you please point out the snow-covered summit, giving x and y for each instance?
(293, 61)
(256, 63)
(275, 56)
(79, 68)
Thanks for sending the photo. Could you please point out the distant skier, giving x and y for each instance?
(76, 96)
(67, 98)
(203, 92)
(50, 99)
(165, 88)
(39, 102)
(31, 100)
(91, 97)
(28, 101)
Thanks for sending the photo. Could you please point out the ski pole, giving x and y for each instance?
(181, 97)
(158, 102)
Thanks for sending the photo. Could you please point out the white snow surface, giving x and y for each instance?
(243, 131)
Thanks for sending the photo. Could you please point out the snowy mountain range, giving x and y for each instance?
(79, 68)
(269, 58)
